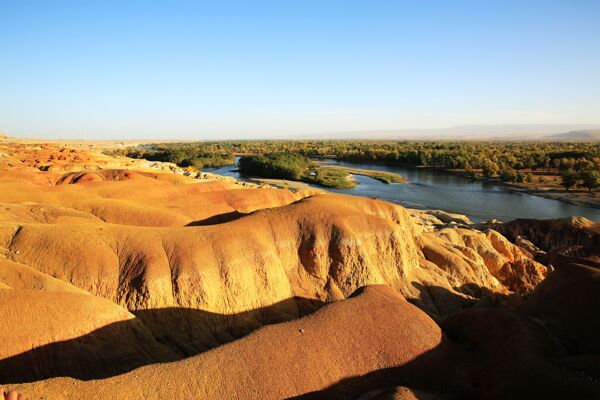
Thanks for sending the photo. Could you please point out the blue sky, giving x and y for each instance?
(241, 69)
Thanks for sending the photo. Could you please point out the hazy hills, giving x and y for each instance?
(559, 132)
(473, 132)
(582, 135)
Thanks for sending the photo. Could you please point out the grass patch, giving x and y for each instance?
(331, 177)
(387, 178)
(382, 176)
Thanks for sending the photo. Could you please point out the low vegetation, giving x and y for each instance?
(571, 165)
(196, 155)
(332, 177)
(294, 167)
(382, 176)
(582, 172)
(280, 166)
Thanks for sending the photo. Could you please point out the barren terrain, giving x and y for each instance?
(130, 279)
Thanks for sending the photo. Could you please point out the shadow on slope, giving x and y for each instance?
(118, 347)
(218, 219)
(442, 370)
(575, 236)
(439, 302)
(546, 347)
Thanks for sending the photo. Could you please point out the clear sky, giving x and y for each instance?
(241, 69)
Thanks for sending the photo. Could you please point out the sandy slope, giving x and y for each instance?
(111, 267)
(341, 341)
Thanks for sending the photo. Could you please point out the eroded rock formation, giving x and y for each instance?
(574, 236)
(112, 266)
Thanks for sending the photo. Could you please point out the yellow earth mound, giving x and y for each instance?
(378, 326)
(147, 200)
(18, 276)
(56, 333)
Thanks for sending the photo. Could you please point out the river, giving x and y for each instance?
(432, 189)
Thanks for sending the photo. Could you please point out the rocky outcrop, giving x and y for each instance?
(575, 236)
(464, 251)
(440, 217)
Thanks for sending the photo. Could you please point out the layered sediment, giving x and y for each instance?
(111, 266)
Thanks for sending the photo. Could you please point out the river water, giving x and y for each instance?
(431, 189)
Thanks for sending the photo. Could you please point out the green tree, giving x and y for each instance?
(591, 180)
(507, 175)
(191, 162)
(490, 169)
(519, 177)
(569, 178)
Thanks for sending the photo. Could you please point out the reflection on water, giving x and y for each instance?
(431, 189)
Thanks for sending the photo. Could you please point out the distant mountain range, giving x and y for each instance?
(582, 135)
(575, 132)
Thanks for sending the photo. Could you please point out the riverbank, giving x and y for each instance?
(575, 197)
(544, 184)
(282, 184)
(479, 199)
(381, 176)
(332, 177)
(434, 188)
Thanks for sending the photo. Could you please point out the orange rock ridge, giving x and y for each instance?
(111, 266)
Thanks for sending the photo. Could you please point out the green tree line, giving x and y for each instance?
(577, 163)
